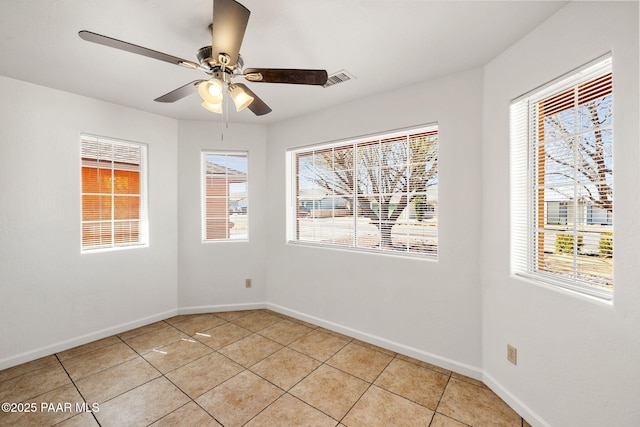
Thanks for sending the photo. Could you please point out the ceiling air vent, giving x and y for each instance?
(339, 77)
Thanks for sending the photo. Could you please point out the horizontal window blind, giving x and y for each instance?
(373, 194)
(225, 196)
(114, 196)
(562, 182)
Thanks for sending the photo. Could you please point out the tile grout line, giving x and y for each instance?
(371, 384)
(164, 375)
(233, 376)
(444, 389)
(287, 392)
(77, 389)
(245, 369)
(250, 367)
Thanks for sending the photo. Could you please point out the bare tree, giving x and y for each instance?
(587, 155)
(381, 178)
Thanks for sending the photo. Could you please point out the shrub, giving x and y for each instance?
(606, 244)
(564, 243)
(420, 203)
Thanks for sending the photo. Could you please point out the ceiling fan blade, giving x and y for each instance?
(258, 106)
(129, 47)
(229, 24)
(286, 75)
(180, 93)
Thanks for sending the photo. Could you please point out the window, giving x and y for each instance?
(562, 181)
(377, 193)
(114, 193)
(224, 196)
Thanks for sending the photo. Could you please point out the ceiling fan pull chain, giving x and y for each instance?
(224, 124)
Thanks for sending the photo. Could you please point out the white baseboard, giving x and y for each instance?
(83, 339)
(223, 307)
(516, 404)
(443, 362)
(452, 365)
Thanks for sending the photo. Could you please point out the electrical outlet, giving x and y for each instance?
(512, 354)
(247, 283)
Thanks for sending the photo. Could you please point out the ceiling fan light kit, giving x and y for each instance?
(211, 91)
(214, 108)
(240, 98)
(222, 62)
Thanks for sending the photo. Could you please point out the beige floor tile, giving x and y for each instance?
(178, 354)
(199, 323)
(155, 339)
(204, 374)
(127, 335)
(180, 318)
(360, 361)
(440, 420)
(111, 382)
(289, 411)
(257, 321)
(98, 360)
(34, 365)
(375, 347)
(335, 334)
(319, 345)
(285, 367)
(423, 364)
(81, 420)
(250, 350)
(214, 366)
(300, 322)
(233, 315)
(468, 379)
(420, 385)
(190, 415)
(477, 406)
(32, 384)
(330, 390)
(378, 407)
(59, 405)
(285, 332)
(303, 323)
(222, 335)
(87, 348)
(142, 405)
(236, 401)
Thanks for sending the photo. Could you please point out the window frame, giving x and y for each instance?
(203, 196)
(292, 214)
(143, 211)
(526, 209)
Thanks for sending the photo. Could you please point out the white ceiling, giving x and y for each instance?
(385, 44)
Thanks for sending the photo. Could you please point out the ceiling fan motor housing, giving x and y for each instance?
(204, 56)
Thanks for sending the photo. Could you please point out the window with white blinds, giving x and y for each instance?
(562, 181)
(225, 196)
(114, 193)
(378, 193)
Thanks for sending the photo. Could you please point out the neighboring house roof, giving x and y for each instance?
(214, 169)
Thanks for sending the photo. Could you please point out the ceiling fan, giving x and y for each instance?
(222, 62)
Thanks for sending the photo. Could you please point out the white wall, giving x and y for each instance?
(212, 274)
(424, 308)
(51, 296)
(578, 360)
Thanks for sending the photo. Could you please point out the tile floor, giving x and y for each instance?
(253, 368)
